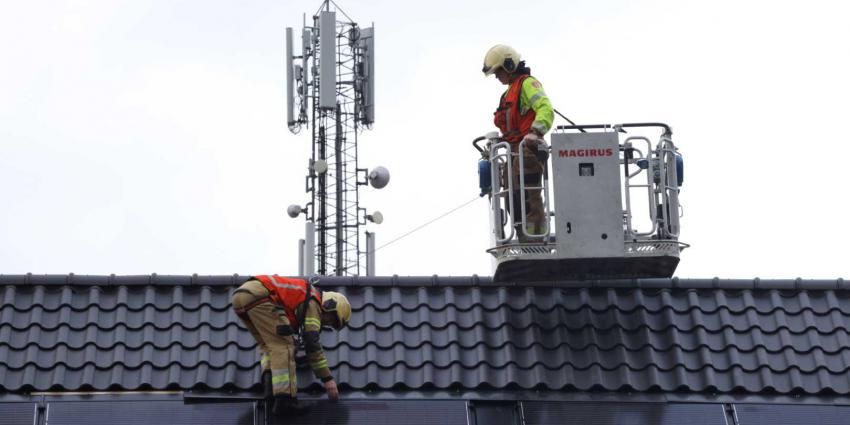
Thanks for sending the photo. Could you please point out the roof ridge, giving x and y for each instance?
(429, 281)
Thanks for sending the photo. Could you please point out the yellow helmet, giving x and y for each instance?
(337, 303)
(500, 56)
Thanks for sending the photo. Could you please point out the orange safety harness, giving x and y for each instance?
(513, 125)
(290, 293)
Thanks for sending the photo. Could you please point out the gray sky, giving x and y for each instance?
(150, 136)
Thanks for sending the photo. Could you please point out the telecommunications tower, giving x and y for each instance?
(331, 90)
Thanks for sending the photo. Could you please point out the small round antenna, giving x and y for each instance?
(294, 210)
(376, 217)
(379, 177)
(320, 166)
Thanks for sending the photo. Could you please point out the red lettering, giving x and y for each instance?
(572, 153)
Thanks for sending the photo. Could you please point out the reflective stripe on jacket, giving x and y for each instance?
(288, 293)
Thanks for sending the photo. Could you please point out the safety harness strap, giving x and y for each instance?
(304, 306)
(244, 310)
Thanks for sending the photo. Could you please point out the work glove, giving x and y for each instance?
(530, 139)
(537, 145)
(542, 150)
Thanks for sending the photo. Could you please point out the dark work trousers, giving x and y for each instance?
(532, 173)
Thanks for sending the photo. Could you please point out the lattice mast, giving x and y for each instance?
(331, 90)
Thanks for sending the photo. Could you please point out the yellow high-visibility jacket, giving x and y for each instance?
(532, 96)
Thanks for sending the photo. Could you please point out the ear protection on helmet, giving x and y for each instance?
(329, 305)
(334, 302)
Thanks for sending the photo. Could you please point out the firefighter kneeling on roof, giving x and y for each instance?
(275, 309)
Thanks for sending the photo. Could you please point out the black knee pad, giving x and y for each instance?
(285, 330)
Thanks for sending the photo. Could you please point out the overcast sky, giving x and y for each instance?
(145, 137)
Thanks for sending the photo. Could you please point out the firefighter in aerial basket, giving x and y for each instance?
(276, 310)
(525, 114)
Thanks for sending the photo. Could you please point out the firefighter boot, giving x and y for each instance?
(285, 405)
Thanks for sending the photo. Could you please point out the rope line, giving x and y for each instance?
(429, 222)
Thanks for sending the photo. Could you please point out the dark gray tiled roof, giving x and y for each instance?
(429, 333)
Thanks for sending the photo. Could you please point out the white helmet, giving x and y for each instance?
(336, 303)
(500, 56)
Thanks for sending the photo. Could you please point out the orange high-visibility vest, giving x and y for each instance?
(513, 125)
(288, 293)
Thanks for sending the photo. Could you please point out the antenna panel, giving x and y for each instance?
(327, 60)
(306, 43)
(290, 100)
(367, 46)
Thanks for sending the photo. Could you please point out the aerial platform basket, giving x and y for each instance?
(596, 180)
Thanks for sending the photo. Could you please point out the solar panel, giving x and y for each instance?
(787, 414)
(17, 413)
(608, 413)
(393, 412)
(147, 412)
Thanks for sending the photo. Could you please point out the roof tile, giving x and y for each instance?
(78, 332)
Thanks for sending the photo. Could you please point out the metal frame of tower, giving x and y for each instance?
(336, 78)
